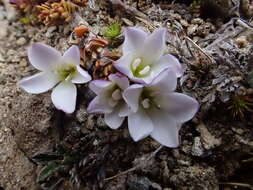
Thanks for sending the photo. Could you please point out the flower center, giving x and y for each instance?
(146, 103)
(140, 69)
(67, 72)
(115, 97)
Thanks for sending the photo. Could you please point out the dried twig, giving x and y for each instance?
(136, 167)
(128, 9)
(238, 184)
(199, 48)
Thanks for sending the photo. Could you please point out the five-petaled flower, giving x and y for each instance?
(55, 69)
(143, 57)
(157, 110)
(109, 100)
(152, 107)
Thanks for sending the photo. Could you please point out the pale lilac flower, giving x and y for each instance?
(143, 57)
(55, 69)
(157, 110)
(109, 99)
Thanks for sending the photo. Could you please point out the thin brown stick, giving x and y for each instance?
(199, 48)
(238, 184)
(136, 167)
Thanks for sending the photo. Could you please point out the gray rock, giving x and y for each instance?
(197, 148)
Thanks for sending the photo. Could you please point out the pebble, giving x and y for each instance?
(3, 29)
(241, 41)
(197, 148)
(23, 63)
(197, 21)
(21, 41)
(191, 29)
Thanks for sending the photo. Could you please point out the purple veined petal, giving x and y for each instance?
(81, 77)
(134, 40)
(99, 105)
(64, 96)
(113, 120)
(180, 106)
(165, 82)
(119, 80)
(165, 128)
(171, 62)
(43, 57)
(132, 95)
(139, 125)
(154, 46)
(100, 86)
(123, 65)
(38, 83)
(72, 55)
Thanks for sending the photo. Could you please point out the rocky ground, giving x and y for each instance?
(216, 149)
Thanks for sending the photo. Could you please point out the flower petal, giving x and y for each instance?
(180, 106)
(64, 97)
(123, 65)
(81, 77)
(165, 82)
(113, 120)
(38, 83)
(124, 110)
(134, 39)
(140, 125)
(72, 55)
(154, 46)
(131, 95)
(99, 105)
(120, 80)
(171, 62)
(43, 57)
(165, 129)
(99, 86)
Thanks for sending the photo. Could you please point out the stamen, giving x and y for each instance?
(146, 103)
(112, 102)
(116, 95)
(136, 63)
(145, 70)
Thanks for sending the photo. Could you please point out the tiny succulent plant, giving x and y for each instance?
(113, 30)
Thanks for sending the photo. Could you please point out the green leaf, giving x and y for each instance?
(45, 157)
(48, 171)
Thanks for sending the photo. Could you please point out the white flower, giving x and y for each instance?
(143, 57)
(109, 99)
(157, 110)
(55, 69)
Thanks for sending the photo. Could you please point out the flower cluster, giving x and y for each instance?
(142, 91)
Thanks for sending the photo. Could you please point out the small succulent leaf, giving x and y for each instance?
(44, 157)
(48, 171)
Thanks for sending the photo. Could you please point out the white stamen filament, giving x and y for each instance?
(145, 70)
(116, 95)
(146, 103)
(112, 102)
(136, 63)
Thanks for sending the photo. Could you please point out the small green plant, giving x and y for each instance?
(239, 105)
(113, 30)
